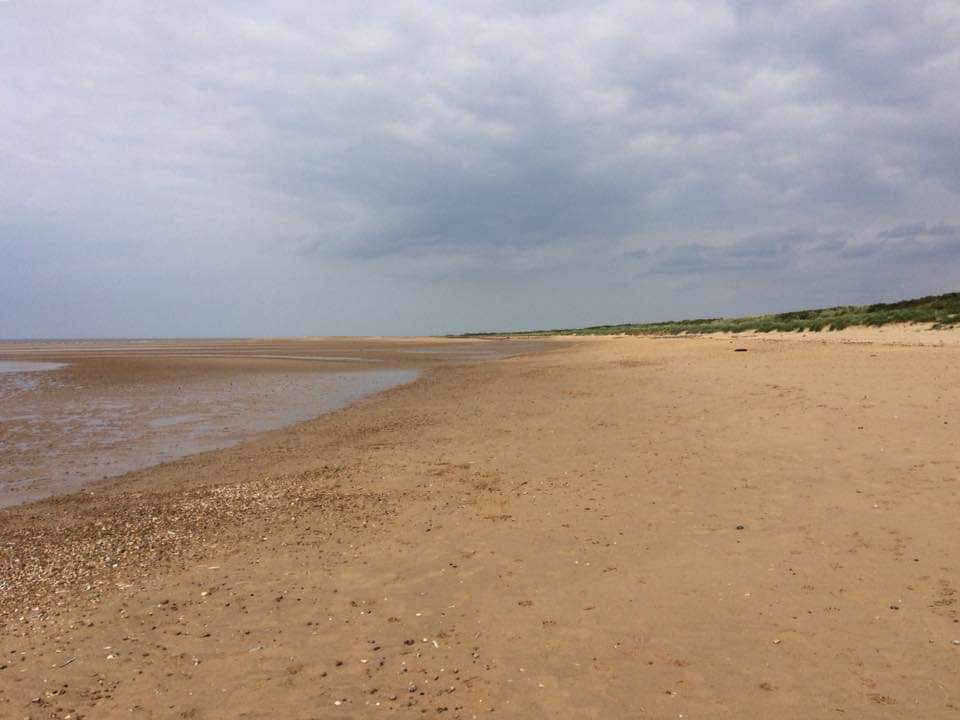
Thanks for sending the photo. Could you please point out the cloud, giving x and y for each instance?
(302, 154)
(916, 242)
(919, 229)
(763, 252)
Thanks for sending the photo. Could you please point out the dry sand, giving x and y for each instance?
(610, 528)
(915, 334)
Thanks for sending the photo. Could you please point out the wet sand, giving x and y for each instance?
(612, 527)
(106, 408)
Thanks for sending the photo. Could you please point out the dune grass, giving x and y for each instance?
(941, 311)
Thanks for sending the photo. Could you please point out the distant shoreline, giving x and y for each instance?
(937, 311)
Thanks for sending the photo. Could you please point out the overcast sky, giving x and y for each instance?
(261, 168)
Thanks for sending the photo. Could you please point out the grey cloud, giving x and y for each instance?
(914, 242)
(429, 155)
(759, 252)
(919, 229)
(856, 250)
(920, 242)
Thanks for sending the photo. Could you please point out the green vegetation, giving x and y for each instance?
(941, 311)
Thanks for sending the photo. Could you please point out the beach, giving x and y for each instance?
(682, 527)
(90, 410)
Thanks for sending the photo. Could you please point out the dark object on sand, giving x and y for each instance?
(739, 349)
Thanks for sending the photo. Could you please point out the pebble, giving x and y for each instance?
(956, 642)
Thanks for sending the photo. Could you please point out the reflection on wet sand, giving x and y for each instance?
(20, 366)
(103, 409)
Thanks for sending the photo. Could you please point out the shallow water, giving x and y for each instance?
(175, 420)
(113, 406)
(18, 366)
(60, 431)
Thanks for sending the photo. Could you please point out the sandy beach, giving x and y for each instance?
(74, 412)
(616, 527)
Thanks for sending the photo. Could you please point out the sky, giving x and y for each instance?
(183, 169)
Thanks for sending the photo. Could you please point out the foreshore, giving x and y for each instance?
(608, 527)
(105, 408)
